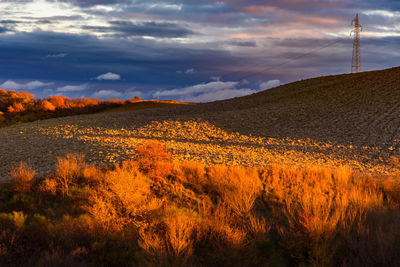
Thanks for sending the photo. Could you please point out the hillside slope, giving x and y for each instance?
(351, 119)
(358, 109)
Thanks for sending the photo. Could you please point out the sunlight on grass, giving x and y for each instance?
(203, 142)
(153, 210)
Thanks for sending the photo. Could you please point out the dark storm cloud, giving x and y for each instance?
(154, 29)
(139, 61)
(9, 21)
(149, 65)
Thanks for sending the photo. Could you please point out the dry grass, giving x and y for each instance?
(152, 210)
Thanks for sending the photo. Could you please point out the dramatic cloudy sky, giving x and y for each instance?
(195, 50)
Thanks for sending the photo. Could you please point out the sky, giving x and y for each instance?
(188, 50)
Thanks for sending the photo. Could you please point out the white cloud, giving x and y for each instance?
(12, 85)
(60, 55)
(36, 84)
(72, 88)
(104, 94)
(109, 76)
(216, 90)
(127, 94)
(383, 13)
(131, 93)
(269, 84)
(189, 71)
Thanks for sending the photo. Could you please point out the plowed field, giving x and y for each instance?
(337, 120)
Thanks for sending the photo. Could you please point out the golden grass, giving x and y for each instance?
(152, 210)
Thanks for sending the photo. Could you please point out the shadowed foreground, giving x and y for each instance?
(152, 210)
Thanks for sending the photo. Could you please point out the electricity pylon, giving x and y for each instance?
(358, 28)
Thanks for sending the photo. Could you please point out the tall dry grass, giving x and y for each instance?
(152, 210)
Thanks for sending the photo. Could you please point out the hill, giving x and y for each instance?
(359, 109)
(350, 119)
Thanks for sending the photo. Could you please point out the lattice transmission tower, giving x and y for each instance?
(358, 28)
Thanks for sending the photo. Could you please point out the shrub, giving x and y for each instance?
(68, 170)
(124, 197)
(193, 174)
(58, 101)
(92, 174)
(23, 177)
(154, 160)
(47, 106)
(130, 188)
(16, 108)
(49, 185)
(16, 218)
(170, 239)
(238, 187)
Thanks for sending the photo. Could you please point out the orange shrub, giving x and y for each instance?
(49, 185)
(193, 174)
(47, 106)
(123, 197)
(92, 174)
(16, 108)
(238, 187)
(9, 98)
(115, 101)
(23, 177)
(154, 160)
(58, 101)
(68, 170)
(173, 237)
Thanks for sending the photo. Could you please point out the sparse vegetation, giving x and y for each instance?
(18, 107)
(151, 210)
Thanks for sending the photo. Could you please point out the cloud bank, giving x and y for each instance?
(205, 92)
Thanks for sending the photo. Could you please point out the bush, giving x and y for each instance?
(15, 218)
(68, 170)
(154, 160)
(23, 177)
